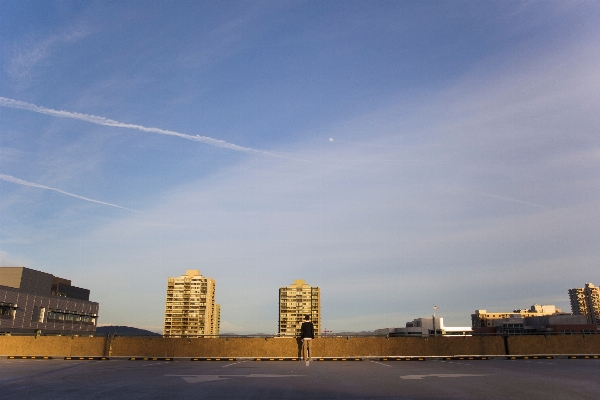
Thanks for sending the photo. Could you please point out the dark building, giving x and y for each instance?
(37, 302)
(62, 287)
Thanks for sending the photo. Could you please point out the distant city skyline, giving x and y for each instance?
(416, 153)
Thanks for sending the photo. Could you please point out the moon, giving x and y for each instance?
(331, 139)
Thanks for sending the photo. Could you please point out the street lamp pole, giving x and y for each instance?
(433, 320)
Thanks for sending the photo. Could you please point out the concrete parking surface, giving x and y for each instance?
(368, 379)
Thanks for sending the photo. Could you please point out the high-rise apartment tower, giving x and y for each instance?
(586, 301)
(191, 310)
(296, 301)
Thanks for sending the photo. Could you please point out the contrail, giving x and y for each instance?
(18, 181)
(11, 103)
(508, 198)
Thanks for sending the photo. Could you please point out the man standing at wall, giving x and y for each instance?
(307, 333)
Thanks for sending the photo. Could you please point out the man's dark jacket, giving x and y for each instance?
(307, 330)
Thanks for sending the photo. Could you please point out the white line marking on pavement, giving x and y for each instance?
(376, 362)
(440, 376)
(201, 378)
(450, 362)
(540, 362)
(239, 362)
(210, 378)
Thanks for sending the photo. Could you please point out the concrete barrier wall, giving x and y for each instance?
(408, 346)
(563, 344)
(223, 347)
(65, 346)
(60, 346)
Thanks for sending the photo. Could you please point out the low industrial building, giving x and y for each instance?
(40, 303)
(537, 319)
(487, 322)
(561, 323)
(430, 327)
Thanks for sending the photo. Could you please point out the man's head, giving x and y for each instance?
(307, 317)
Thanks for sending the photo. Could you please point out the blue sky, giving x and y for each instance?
(138, 140)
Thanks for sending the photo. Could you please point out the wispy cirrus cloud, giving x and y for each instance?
(11, 103)
(18, 181)
(24, 57)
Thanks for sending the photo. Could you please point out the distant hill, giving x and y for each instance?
(125, 331)
(131, 331)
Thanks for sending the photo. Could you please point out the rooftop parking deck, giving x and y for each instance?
(558, 378)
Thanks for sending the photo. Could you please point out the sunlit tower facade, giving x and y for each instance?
(296, 301)
(586, 301)
(190, 309)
